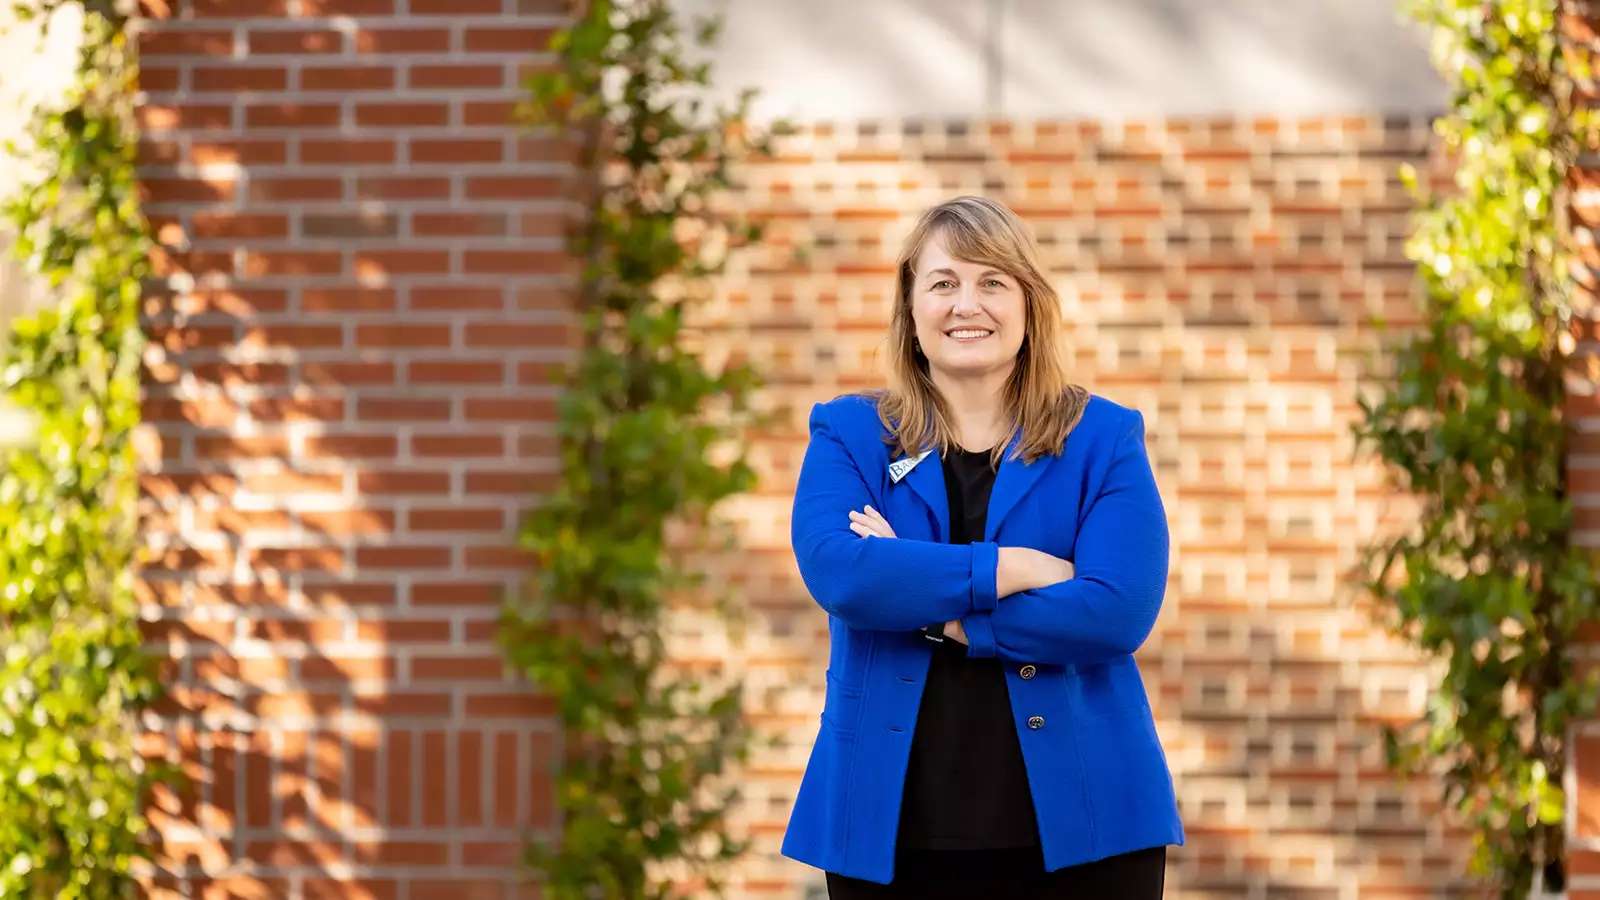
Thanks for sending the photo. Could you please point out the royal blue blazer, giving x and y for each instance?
(1096, 769)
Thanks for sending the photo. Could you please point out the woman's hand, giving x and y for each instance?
(870, 523)
(1024, 568)
(1053, 569)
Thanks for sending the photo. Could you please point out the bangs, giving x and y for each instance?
(988, 243)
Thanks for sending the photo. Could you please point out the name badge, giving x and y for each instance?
(899, 468)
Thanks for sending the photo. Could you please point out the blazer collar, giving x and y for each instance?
(1011, 481)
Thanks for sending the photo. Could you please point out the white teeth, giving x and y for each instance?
(975, 333)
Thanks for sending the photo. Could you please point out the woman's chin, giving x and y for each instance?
(964, 366)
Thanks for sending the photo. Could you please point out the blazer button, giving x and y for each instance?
(1027, 671)
(1036, 722)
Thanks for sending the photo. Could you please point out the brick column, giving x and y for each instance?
(1578, 27)
(348, 410)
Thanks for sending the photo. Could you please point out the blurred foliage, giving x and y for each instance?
(72, 675)
(1471, 416)
(641, 795)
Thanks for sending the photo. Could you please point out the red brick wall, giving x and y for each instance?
(1583, 471)
(348, 411)
(1581, 28)
(1219, 274)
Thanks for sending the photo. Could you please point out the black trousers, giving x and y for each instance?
(1004, 874)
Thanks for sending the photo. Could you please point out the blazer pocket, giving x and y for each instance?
(1112, 690)
(841, 706)
(1124, 759)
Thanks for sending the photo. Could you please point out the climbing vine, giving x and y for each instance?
(641, 794)
(1471, 416)
(72, 674)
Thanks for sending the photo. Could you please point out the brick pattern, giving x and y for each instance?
(1580, 27)
(362, 284)
(1220, 275)
(349, 408)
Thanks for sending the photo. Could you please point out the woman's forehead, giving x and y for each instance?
(946, 265)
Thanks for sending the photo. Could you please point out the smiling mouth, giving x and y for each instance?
(967, 335)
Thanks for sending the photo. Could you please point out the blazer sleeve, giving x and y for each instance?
(1109, 607)
(886, 584)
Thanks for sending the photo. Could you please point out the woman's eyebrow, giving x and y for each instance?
(953, 272)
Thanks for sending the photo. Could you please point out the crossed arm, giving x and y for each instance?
(1016, 569)
(1106, 609)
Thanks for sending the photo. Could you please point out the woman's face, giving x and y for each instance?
(969, 317)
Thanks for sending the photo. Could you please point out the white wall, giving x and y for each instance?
(36, 67)
(1110, 59)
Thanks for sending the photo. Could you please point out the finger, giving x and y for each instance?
(876, 525)
(864, 529)
(868, 529)
(888, 529)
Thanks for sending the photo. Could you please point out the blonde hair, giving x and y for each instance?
(1038, 398)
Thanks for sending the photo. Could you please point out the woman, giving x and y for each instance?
(985, 727)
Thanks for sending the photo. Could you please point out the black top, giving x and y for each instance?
(966, 787)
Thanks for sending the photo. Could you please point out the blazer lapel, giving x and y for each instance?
(927, 479)
(1011, 481)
